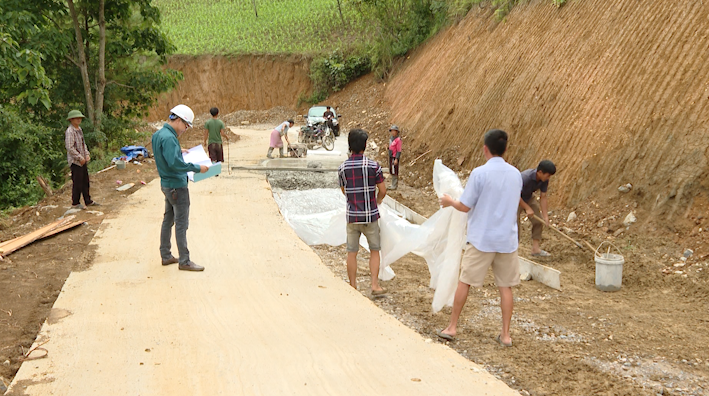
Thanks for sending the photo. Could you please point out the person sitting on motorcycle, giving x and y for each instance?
(328, 115)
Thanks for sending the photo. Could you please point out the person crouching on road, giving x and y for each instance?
(77, 154)
(394, 156)
(533, 180)
(490, 200)
(173, 181)
(277, 135)
(214, 131)
(360, 178)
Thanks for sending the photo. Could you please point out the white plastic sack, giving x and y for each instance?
(318, 218)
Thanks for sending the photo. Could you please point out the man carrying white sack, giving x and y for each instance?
(491, 200)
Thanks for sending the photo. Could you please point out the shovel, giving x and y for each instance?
(562, 234)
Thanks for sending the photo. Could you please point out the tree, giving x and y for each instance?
(105, 56)
(132, 28)
(339, 8)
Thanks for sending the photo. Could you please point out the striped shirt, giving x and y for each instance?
(359, 177)
(76, 149)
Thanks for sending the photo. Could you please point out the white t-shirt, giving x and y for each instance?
(492, 194)
(283, 128)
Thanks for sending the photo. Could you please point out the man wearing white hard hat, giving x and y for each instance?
(173, 181)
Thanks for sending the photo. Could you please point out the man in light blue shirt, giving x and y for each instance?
(491, 200)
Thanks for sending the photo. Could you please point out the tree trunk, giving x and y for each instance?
(82, 63)
(255, 11)
(101, 80)
(339, 8)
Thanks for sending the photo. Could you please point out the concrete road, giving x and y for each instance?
(266, 317)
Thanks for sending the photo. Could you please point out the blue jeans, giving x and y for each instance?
(177, 212)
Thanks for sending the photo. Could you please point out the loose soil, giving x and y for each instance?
(648, 338)
(236, 83)
(32, 277)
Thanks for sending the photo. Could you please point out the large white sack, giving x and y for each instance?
(443, 248)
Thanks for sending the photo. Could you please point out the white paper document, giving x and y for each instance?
(198, 156)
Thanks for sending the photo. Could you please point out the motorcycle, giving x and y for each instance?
(316, 136)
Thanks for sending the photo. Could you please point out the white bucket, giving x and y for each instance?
(609, 269)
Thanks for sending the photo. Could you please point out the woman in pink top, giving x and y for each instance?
(277, 135)
(394, 156)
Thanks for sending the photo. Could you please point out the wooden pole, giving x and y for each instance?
(561, 233)
(43, 183)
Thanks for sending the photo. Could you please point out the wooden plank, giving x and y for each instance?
(38, 232)
(540, 273)
(410, 215)
(62, 229)
(20, 242)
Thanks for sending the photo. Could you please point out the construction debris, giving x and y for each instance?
(630, 219)
(125, 187)
(54, 228)
(625, 188)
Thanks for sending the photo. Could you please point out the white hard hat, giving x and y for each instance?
(183, 112)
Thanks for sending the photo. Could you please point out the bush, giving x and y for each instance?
(26, 150)
(332, 72)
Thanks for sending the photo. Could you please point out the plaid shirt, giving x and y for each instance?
(76, 149)
(359, 177)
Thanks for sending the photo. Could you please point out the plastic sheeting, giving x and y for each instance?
(318, 217)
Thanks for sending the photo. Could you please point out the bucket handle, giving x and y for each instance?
(595, 254)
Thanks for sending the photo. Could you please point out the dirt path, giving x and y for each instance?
(266, 317)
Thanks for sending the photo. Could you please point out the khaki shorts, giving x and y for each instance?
(370, 230)
(473, 267)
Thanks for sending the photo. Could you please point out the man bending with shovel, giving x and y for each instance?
(533, 180)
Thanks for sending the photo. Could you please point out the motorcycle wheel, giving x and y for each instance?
(328, 142)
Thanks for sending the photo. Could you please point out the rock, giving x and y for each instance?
(71, 212)
(6, 362)
(314, 165)
(679, 265)
(525, 276)
(572, 217)
(683, 258)
(688, 253)
(618, 232)
(623, 189)
(630, 219)
(245, 123)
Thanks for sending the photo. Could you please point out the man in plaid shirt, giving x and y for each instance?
(360, 177)
(78, 157)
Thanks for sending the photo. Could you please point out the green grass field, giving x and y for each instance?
(282, 26)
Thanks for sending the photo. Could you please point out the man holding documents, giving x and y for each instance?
(173, 181)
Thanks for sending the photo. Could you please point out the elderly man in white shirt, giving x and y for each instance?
(491, 199)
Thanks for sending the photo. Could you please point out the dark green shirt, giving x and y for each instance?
(168, 158)
(214, 126)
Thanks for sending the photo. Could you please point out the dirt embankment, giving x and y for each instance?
(613, 92)
(236, 83)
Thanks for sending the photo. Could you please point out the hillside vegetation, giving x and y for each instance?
(275, 26)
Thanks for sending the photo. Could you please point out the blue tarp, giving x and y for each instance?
(132, 152)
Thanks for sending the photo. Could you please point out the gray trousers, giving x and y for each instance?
(177, 212)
